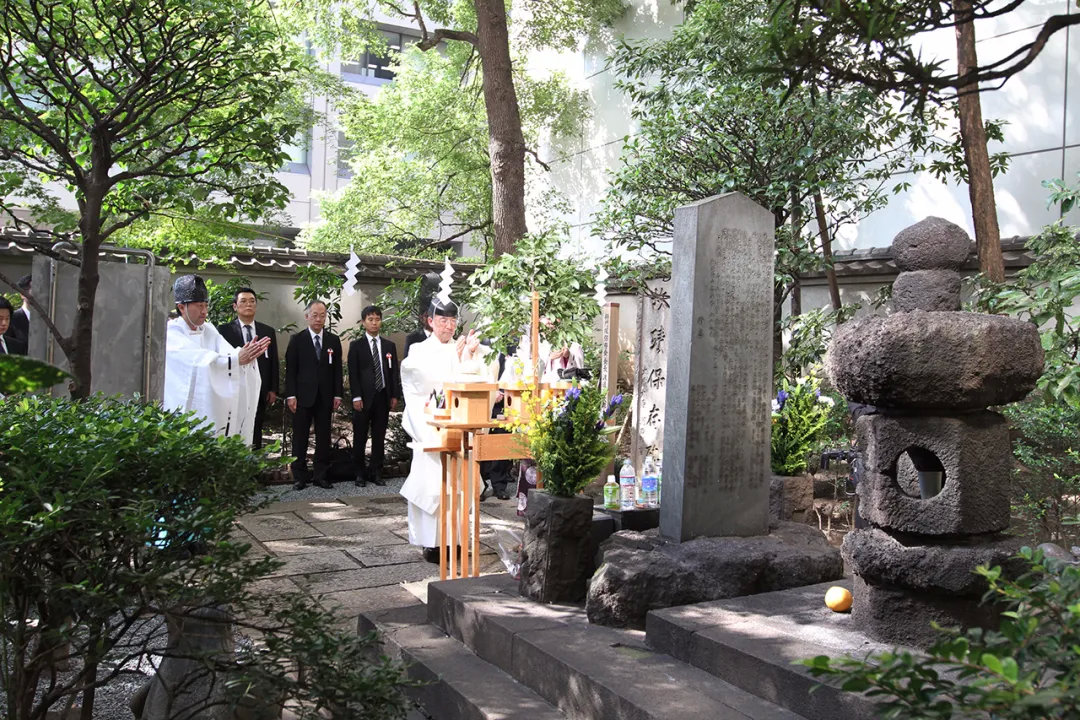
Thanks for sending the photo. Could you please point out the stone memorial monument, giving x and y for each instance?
(715, 540)
(936, 461)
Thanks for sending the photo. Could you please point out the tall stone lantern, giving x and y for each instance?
(936, 460)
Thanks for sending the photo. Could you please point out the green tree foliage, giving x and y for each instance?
(500, 294)
(1045, 293)
(1046, 482)
(1028, 669)
(837, 43)
(19, 374)
(478, 79)
(420, 162)
(115, 513)
(316, 282)
(711, 124)
(138, 107)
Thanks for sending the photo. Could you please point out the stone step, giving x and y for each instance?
(456, 684)
(587, 671)
(753, 641)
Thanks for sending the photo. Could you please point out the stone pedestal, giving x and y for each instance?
(556, 560)
(642, 571)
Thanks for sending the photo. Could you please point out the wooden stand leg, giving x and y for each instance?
(455, 490)
(466, 512)
(474, 469)
(442, 519)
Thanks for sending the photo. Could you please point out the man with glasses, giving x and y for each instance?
(430, 365)
(313, 389)
(243, 330)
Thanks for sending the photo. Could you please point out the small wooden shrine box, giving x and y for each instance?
(470, 402)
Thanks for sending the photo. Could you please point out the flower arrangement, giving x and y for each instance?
(569, 440)
(800, 416)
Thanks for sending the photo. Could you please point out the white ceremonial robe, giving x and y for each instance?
(429, 365)
(204, 375)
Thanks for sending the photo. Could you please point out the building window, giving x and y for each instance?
(298, 156)
(375, 66)
(344, 154)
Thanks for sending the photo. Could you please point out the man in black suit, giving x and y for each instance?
(19, 329)
(313, 387)
(9, 345)
(240, 332)
(375, 380)
(418, 335)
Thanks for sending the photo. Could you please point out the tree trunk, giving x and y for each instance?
(83, 334)
(826, 252)
(973, 138)
(506, 143)
(796, 242)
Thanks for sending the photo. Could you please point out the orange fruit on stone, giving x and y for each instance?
(838, 599)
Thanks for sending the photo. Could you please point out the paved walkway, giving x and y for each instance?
(352, 553)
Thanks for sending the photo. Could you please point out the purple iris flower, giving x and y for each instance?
(781, 397)
(573, 393)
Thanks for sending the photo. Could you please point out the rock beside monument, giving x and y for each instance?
(642, 572)
(935, 360)
(555, 549)
(931, 244)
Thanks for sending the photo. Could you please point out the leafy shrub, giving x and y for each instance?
(801, 414)
(114, 513)
(1046, 485)
(1046, 293)
(569, 439)
(1029, 668)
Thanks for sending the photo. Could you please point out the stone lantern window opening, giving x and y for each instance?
(919, 473)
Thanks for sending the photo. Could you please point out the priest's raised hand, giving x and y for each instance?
(252, 350)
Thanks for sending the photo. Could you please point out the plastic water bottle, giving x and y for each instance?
(649, 482)
(611, 494)
(659, 478)
(627, 486)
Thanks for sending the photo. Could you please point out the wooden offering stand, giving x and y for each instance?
(459, 503)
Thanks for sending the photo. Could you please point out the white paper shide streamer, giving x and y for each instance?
(447, 276)
(352, 267)
(601, 288)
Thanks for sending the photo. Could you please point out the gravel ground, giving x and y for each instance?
(285, 493)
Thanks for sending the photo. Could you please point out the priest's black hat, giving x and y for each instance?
(444, 309)
(190, 288)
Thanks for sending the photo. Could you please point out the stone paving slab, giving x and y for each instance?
(278, 526)
(350, 603)
(319, 583)
(323, 543)
(298, 505)
(330, 514)
(387, 555)
(330, 561)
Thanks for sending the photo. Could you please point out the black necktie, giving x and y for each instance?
(247, 333)
(379, 383)
(318, 347)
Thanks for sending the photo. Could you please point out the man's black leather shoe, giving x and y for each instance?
(323, 483)
(376, 479)
(431, 555)
(299, 485)
(360, 481)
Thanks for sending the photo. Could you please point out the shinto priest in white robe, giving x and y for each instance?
(203, 374)
(429, 365)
